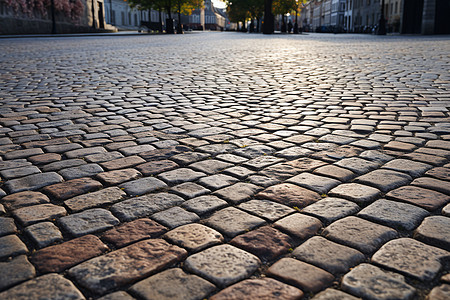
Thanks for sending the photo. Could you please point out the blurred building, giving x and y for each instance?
(24, 17)
(362, 16)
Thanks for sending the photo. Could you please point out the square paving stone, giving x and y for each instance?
(204, 204)
(173, 284)
(290, 195)
(156, 167)
(194, 237)
(261, 288)
(175, 216)
(370, 282)
(266, 242)
(359, 193)
(217, 181)
(118, 176)
(7, 226)
(44, 233)
(72, 188)
(139, 207)
(413, 168)
(359, 233)
(23, 199)
(439, 173)
(122, 163)
(262, 162)
(210, 166)
(232, 221)
(120, 295)
(41, 287)
(37, 213)
(105, 196)
(384, 180)
(189, 157)
(313, 182)
(81, 171)
(239, 172)
(433, 184)
(190, 190)
(305, 276)
(330, 256)
(133, 231)
(331, 209)
(11, 245)
(19, 172)
(441, 292)
(335, 172)
(88, 221)
(332, 294)
(180, 175)
(15, 271)
(301, 226)
(412, 258)
(60, 257)
(425, 198)
(127, 265)
(357, 165)
(434, 230)
(394, 214)
(238, 192)
(33, 182)
(223, 264)
(266, 209)
(263, 181)
(142, 186)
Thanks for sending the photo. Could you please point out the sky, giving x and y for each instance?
(219, 3)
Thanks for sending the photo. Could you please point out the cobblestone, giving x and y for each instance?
(223, 264)
(305, 276)
(194, 237)
(41, 287)
(328, 255)
(212, 133)
(264, 288)
(138, 207)
(88, 221)
(60, 257)
(173, 284)
(411, 257)
(433, 230)
(15, 271)
(370, 282)
(126, 265)
(133, 231)
(44, 234)
(360, 234)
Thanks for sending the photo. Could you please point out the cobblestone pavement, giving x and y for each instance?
(225, 166)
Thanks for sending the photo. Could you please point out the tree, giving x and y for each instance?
(181, 6)
(237, 11)
(282, 7)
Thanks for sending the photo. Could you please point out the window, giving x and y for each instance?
(113, 17)
(396, 7)
(135, 20)
(129, 18)
(123, 17)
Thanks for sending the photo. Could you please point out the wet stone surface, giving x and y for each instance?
(194, 167)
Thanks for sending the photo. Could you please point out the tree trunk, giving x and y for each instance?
(179, 27)
(268, 17)
(160, 21)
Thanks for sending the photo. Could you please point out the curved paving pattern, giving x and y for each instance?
(225, 166)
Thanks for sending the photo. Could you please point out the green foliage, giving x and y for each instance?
(281, 7)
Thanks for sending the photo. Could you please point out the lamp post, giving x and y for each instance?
(382, 22)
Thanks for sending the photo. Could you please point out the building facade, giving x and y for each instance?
(27, 17)
(362, 16)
